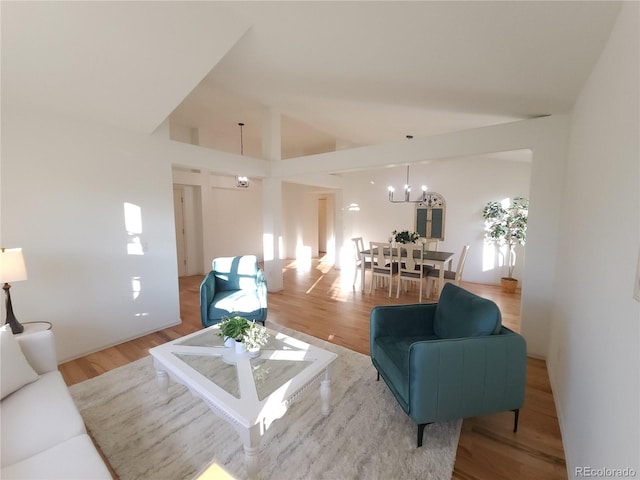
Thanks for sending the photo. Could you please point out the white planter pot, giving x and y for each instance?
(254, 352)
(240, 347)
(229, 342)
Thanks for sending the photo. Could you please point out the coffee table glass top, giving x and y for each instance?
(214, 367)
(282, 359)
(269, 375)
(206, 338)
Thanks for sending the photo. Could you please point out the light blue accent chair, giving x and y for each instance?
(235, 285)
(449, 360)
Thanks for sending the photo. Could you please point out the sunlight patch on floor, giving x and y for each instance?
(314, 284)
(214, 472)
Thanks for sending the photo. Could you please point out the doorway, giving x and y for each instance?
(178, 211)
(322, 226)
(187, 206)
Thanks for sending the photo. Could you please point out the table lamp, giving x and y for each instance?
(12, 269)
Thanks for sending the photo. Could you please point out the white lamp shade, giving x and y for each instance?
(12, 267)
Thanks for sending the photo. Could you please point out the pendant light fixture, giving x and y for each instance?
(407, 190)
(242, 181)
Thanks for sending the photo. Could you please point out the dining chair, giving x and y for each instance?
(411, 268)
(358, 246)
(383, 265)
(431, 244)
(449, 276)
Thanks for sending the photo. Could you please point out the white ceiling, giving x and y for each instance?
(362, 73)
(342, 73)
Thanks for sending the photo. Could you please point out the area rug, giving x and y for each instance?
(366, 435)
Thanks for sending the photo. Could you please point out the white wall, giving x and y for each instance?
(595, 339)
(467, 184)
(300, 218)
(233, 222)
(193, 223)
(230, 218)
(64, 187)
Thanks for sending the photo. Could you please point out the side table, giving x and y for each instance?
(32, 327)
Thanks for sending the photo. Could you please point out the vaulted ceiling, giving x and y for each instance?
(341, 73)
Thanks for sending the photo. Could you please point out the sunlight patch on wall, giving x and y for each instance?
(136, 290)
(493, 257)
(133, 226)
(347, 268)
(267, 247)
(132, 218)
(303, 258)
(488, 257)
(330, 256)
(134, 247)
(136, 287)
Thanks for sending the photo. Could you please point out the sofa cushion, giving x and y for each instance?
(15, 371)
(37, 417)
(75, 458)
(463, 314)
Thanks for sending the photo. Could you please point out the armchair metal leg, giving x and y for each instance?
(421, 432)
(378, 378)
(515, 419)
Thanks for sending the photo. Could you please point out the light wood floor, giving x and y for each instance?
(319, 302)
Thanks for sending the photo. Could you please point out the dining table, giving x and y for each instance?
(438, 259)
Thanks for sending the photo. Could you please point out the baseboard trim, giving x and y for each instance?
(104, 347)
(560, 415)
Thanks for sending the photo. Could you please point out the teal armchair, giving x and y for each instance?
(448, 360)
(235, 284)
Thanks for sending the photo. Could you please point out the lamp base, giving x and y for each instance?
(16, 326)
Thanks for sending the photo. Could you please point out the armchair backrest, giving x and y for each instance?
(235, 273)
(461, 313)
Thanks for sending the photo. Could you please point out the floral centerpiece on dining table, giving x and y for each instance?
(405, 236)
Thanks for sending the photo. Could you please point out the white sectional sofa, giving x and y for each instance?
(42, 433)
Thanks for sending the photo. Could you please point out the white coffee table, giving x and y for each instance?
(249, 393)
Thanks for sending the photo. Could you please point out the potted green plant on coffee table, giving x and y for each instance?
(246, 335)
(506, 225)
(233, 327)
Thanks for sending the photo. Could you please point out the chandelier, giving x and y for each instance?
(407, 193)
(241, 180)
(407, 190)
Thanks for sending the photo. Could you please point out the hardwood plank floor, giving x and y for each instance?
(320, 302)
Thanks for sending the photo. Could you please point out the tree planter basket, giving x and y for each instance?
(509, 285)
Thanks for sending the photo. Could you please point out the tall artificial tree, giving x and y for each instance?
(506, 224)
